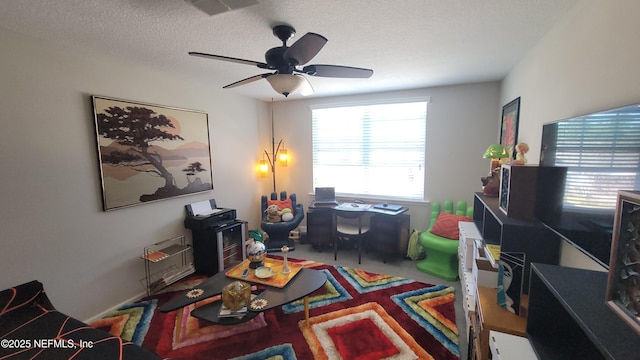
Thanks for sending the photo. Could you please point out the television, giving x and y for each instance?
(601, 154)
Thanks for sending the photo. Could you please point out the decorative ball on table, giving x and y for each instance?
(255, 254)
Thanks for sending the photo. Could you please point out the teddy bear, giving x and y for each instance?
(273, 214)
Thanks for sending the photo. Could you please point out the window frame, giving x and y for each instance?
(341, 191)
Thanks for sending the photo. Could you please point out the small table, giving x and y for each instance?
(303, 284)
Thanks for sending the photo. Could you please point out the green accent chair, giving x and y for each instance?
(442, 253)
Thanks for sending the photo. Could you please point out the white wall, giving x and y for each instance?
(588, 62)
(52, 227)
(462, 121)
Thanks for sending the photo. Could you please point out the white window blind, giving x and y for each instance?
(602, 152)
(375, 150)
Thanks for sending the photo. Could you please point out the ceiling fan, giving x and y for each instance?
(286, 61)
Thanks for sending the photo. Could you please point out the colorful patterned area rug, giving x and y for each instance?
(356, 315)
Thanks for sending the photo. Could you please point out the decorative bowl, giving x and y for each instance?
(255, 253)
(264, 272)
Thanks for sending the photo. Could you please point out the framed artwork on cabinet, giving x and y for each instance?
(150, 152)
(623, 285)
(509, 127)
(510, 280)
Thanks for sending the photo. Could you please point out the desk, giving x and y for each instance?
(389, 229)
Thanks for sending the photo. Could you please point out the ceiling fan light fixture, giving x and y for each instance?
(286, 84)
(287, 78)
(213, 7)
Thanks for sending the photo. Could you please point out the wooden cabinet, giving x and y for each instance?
(389, 234)
(569, 319)
(515, 235)
(491, 316)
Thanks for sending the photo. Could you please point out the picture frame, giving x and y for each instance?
(167, 155)
(509, 290)
(509, 127)
(623, 283)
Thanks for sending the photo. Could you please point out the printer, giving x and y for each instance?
(207, 215)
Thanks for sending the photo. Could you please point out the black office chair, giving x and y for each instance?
(350, 225)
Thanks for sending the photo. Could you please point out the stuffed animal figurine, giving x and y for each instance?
(491, 184)
(273, 214)
(286, 214)
(521, 149)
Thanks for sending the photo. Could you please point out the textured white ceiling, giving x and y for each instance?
(408, 43)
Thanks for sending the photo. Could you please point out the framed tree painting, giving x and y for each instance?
(150, 152)
(509, 127)
(623, 286)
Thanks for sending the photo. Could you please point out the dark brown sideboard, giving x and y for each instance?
(515, 235)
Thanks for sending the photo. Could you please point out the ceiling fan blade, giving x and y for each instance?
(231, 59)
(303, 50)
(247, 80)
(337, 71)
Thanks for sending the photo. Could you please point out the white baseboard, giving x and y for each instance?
(115, 307)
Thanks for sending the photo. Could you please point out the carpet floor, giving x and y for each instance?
(357, 314)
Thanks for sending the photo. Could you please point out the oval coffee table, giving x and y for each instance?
(303, 284)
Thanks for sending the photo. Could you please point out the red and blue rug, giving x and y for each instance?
(356, 315)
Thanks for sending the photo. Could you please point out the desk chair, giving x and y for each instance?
(347, 228)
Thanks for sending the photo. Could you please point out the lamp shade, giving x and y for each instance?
(284, 157)
(286, 84)
(263, 167)
(495, 151)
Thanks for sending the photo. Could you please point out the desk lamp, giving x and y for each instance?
(495, 152)
(491, 183)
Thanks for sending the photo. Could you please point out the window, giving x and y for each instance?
(375, 150)
(602, 152)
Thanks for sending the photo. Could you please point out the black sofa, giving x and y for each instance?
(31, 328)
